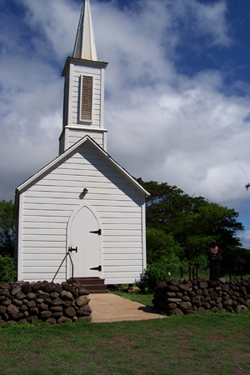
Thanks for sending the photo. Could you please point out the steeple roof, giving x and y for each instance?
(85, 42)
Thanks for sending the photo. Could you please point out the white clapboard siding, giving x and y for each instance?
(36, 275)
(114, 215)
(122, 279)
(39, 239)
(127, 275)
(123, 209)
(126, 226)
(107, 263)
(108, 190)
(130, 268)
(46, 224)
(36, 268)
(70, 183)
(45, 230)
(113, 248)
(104, 186)
(75, 135)
(90, 70)
(33, 271)
(108, 223)
(69, 186)
(45, 245)
(46, 256)
(110, 200)
(47, 207)
(56, 250)
(80, 178)
(68, 204)
(59, 196)
(51, 200)
(119, 238)
(48, 263)
(122, 256)
(59, 216)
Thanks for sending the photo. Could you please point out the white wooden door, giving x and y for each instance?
(85, 236)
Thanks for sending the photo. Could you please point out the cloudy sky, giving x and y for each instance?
(177, 103)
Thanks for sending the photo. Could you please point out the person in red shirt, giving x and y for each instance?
(215, 258)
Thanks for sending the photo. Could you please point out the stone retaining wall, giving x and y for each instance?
(23, 302)
(200, 295)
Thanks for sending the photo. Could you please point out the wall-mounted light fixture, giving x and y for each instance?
(85, 191)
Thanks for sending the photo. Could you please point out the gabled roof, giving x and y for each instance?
(71, 150)
(85, 42)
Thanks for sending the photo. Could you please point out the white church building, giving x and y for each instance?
(82, 215)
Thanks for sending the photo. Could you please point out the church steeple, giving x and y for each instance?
(83, 109)
(85, 42)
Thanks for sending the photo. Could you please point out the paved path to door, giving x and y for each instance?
(112, 308)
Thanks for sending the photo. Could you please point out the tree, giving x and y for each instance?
(7, 228)
(160, 245)
(193, 222)
(210, 222)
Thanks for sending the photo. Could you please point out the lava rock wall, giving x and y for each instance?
(178, 297)
(23, 302)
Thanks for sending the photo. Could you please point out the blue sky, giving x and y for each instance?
(177, 102)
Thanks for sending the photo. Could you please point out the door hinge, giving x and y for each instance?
(99, 268)
(99, 232)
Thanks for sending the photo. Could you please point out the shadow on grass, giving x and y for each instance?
(149, 310)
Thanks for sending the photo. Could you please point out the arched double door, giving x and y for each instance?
(84, 234)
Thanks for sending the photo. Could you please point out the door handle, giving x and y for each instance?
(72, 249)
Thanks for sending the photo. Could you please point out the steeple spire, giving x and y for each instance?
(83, 109)
(85, 43)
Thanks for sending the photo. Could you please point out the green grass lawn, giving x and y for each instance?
(217, 344)
(145, 299)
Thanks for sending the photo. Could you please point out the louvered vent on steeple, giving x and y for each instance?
(86, 98)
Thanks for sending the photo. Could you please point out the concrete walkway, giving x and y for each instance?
(112, 308)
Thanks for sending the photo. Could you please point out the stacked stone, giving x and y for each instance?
(178, 297)
(24, 302)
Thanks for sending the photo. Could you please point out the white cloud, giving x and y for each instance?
(245, 239)
(163, 125)
(204, 20)
(54, 20)
(193, 136)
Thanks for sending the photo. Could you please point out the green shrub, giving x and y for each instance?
(200, 263)
(163, 270)
(7, 269)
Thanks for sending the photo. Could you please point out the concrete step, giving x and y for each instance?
(89, 280)
(94, 285)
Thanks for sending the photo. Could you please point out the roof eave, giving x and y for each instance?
(121, 169)
(29, 181)
(74, 60)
